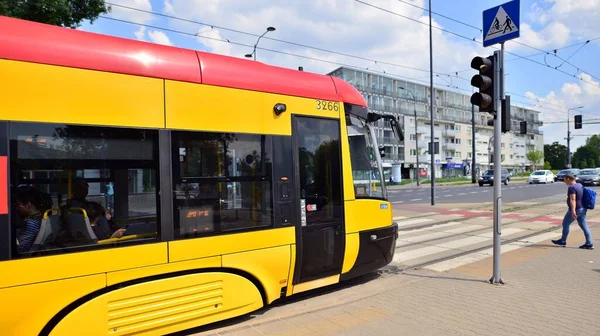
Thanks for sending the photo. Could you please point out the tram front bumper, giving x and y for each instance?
(376, 249)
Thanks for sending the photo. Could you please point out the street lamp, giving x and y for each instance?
(569, 135)
(416, 132)
(269, 29)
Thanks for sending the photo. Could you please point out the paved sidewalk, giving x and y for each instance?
(549, 290)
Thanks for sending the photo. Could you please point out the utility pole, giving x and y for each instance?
(416, 130)
(490, 98)
(431, 109)
(499, 95)
(473, 155)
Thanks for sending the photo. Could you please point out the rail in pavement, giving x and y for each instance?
(461, 247)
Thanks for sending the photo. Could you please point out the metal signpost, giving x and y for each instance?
(500, 24)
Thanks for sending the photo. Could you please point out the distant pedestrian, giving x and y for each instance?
(576, 210)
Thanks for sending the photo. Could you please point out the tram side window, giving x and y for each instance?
(222, 183)
(76, 188)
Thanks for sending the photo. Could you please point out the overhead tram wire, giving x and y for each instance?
(292, 54)
(353, 67)
(332, 51)
(269, 38)
(549, 103)
(442, 15)
(542, 52)
(479, 42)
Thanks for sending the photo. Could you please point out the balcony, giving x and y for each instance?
(393, 157)
(423, 144)
(449, 146)
(422, 130)
(387, 141)
(450, 133)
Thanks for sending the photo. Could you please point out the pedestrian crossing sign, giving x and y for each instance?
(501, 23)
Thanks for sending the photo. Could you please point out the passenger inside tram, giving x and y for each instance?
(31, 205)
(95, 213)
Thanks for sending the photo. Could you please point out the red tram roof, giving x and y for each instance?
(28, 41)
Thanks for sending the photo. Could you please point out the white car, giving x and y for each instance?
(541, 176)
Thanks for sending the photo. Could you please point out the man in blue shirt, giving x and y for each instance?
(576, 210)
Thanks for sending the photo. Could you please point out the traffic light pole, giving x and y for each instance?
(498, 96)
(473, 154)
(568, 140)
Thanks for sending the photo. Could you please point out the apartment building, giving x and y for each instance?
(453, 133)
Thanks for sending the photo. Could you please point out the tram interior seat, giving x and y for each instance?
(79, 225)
(49, 230)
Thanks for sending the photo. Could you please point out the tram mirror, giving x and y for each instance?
(398, 133)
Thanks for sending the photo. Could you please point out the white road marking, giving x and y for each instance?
(477, 256)
(432, 233)
(461, 194)
(415, 221)
(416, 199)
(398, 217)
(451, 245)
(398, 202)
(429, 229)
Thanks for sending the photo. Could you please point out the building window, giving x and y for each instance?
(458, 141)
(222, 183)
(413, 137)
(470, 142)
(413, 152)
(457, 154)
(81, 187)
(469, 155)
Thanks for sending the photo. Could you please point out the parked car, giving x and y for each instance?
(488, 177)
(561, 174)
(589, 176)
(541, 176)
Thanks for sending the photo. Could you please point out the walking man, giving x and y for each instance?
(577, 211)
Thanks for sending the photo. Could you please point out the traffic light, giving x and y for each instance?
(523, 126)
(578, 121)
(506, 123)
(484, 81)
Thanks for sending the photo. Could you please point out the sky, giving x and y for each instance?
(549, 68)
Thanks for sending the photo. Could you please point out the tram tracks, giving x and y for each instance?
(393, 269)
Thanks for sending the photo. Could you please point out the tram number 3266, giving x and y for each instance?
(328, 105)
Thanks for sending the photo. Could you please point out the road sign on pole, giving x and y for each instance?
(501, 23)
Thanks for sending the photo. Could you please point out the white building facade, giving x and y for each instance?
(452, 128)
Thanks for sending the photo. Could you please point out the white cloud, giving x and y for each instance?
(208, 37)
(581, 16)
(554, 35)
(159, 37)
(154, 36)
(168, 7)
(340, 25)
(130, 14)
(554, 107)
(140, 34)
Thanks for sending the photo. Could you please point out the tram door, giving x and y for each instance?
(318, 177)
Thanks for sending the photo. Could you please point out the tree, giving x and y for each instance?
(556, 155)
(594, 143)
(586, 157)
(547, 165)
(64, 13)
(535, 156)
